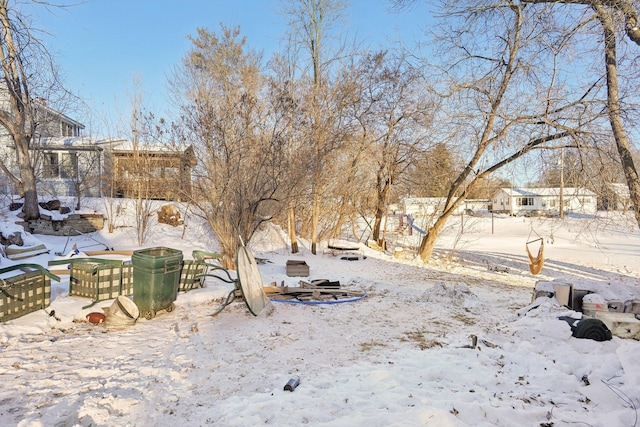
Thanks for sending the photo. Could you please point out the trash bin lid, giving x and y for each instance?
(250, 281)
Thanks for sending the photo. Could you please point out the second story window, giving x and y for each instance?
(68, 130)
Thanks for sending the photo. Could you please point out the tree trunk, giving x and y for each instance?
(314, 224)
(16, 110)
(228, 260)
(292, 231)
(30, 209)
(228, 248)
(342, 216)
(428, 242)
(383, 188)
(614, 110)
(375, 235)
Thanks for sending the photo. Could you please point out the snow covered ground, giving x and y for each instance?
(403, 356)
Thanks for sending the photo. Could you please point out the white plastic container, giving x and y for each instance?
(592, 303)
(623, 325)
(122, 313)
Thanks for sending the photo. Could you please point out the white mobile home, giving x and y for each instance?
(422, 207)
(522, 201)
(430, 206)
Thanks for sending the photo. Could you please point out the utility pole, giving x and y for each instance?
(562, 183)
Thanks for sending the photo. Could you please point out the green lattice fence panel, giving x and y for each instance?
(100, 281)
(23, 294)
(126, 279)
(192, 275)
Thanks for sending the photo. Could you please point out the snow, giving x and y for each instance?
(402, 356)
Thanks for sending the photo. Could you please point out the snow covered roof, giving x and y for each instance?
(116, 144)
(423, 200)
(127, 145)
(78, 141)
(548, 192)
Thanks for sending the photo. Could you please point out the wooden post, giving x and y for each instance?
(292, 231)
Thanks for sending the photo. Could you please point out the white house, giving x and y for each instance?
(52, 123)
(422, 206)
(429, 206)
(519, 201)
(95, 167)
(49, 123)
(69, 164)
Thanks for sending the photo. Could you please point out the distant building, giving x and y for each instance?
(422, 206)
(68, 164)
(49, 123)
(532, 201)
(115, 168)
(152, 171)
(52, 123)
(429, 206)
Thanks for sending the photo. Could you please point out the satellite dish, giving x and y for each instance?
(250, 281)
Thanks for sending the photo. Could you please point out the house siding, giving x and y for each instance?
(518, 201)
(48, 123)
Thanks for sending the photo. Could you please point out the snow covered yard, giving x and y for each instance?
(403, 356)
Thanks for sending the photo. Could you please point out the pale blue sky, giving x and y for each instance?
(102, 46)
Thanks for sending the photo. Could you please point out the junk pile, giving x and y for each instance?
(604, 312)
(321, 291)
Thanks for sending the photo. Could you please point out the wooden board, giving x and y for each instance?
(64, 272)
(18, 253)
(288, 290)
(97, 253)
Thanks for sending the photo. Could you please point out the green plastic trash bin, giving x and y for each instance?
(156, 277)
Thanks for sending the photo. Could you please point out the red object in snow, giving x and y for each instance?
(96, 318)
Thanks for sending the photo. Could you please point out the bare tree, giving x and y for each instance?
(497, 110)
(610, 14)
(283, 100)
(85, 172)
(614, 17)
(28, 73)
(311, 22)
(140, 158)
(239, 143)
(394, 113)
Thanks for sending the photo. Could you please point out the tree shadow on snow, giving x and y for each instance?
(502, 263)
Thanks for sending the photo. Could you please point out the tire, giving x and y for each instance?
(593, 329)
(170, 308)
(149, 314)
